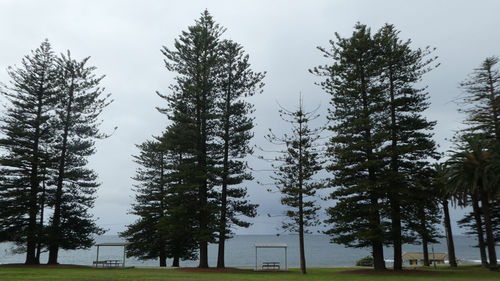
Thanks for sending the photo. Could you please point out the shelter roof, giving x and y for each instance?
(271, 245)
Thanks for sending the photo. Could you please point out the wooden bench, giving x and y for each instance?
(274, 265)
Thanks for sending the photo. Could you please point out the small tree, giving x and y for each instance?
(423, 209)
(296, 170)
(160, 231)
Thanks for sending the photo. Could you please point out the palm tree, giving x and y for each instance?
(440, 181)
(473, 172)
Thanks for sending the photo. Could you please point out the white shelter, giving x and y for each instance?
(111, 263)
(271, 245)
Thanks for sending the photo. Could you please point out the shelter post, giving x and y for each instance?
(256, 258)
(286, 257)
(124, 256)
(97, 258)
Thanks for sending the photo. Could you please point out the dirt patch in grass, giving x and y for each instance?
(404, 272)
(43, 265)
(197, 269)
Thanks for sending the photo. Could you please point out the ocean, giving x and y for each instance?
(240, 251)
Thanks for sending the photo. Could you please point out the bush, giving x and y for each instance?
(366, 261)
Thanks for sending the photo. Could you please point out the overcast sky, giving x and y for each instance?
(124, 39)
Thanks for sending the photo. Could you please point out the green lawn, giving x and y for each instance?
(443, 273)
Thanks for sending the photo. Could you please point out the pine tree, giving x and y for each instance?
(26, 140)
(193, 111)
(80, 101)
(408, 131)
(357, 102)
(236, 81)
(481, 104)
(296, 170)
(144, 236)
(423, 209)
(159, 232)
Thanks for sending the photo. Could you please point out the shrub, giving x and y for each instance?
(366, 261)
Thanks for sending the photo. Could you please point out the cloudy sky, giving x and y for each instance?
(124, 39)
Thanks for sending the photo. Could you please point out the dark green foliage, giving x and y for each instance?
(481, 102)
(295, 171)
(358, 136)
(409, 134)
(380, 136)
(422, 211)
(80, 101)
(49, 131)
(27, 135)
(468, 222)
(474, 174)
(235, 82)
(296, 166)
(154, 234)
(192, 109)
(366, 261)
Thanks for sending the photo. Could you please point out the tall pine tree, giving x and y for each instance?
(481, 104)
(80, 101)
(193, 111)
(357, 99)
(236, 81)
(408, 131)
(26, 141)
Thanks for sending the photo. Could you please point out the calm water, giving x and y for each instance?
(240, 252)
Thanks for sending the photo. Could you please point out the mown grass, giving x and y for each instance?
(337, 274)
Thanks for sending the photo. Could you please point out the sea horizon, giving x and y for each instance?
(240, 252)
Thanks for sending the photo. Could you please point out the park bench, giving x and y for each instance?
(108, 263)
(274, 265)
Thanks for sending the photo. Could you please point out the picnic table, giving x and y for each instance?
(271, 265)
(108, 263)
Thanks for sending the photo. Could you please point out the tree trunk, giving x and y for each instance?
(449, 235)
(34, 185)
(425, 249)
(490, 239)
(479, 230)
(423, 229)
(396, 234)
(378, 256)
(163, 257)
(301, 234)
(175, 262)
(225, 174)
(203, 183)
(393, 192)
(40, 231)
(56, 218)
(377, 246)
(301, 244)
(203, 255)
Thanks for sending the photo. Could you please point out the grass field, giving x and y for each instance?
(336, 274)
